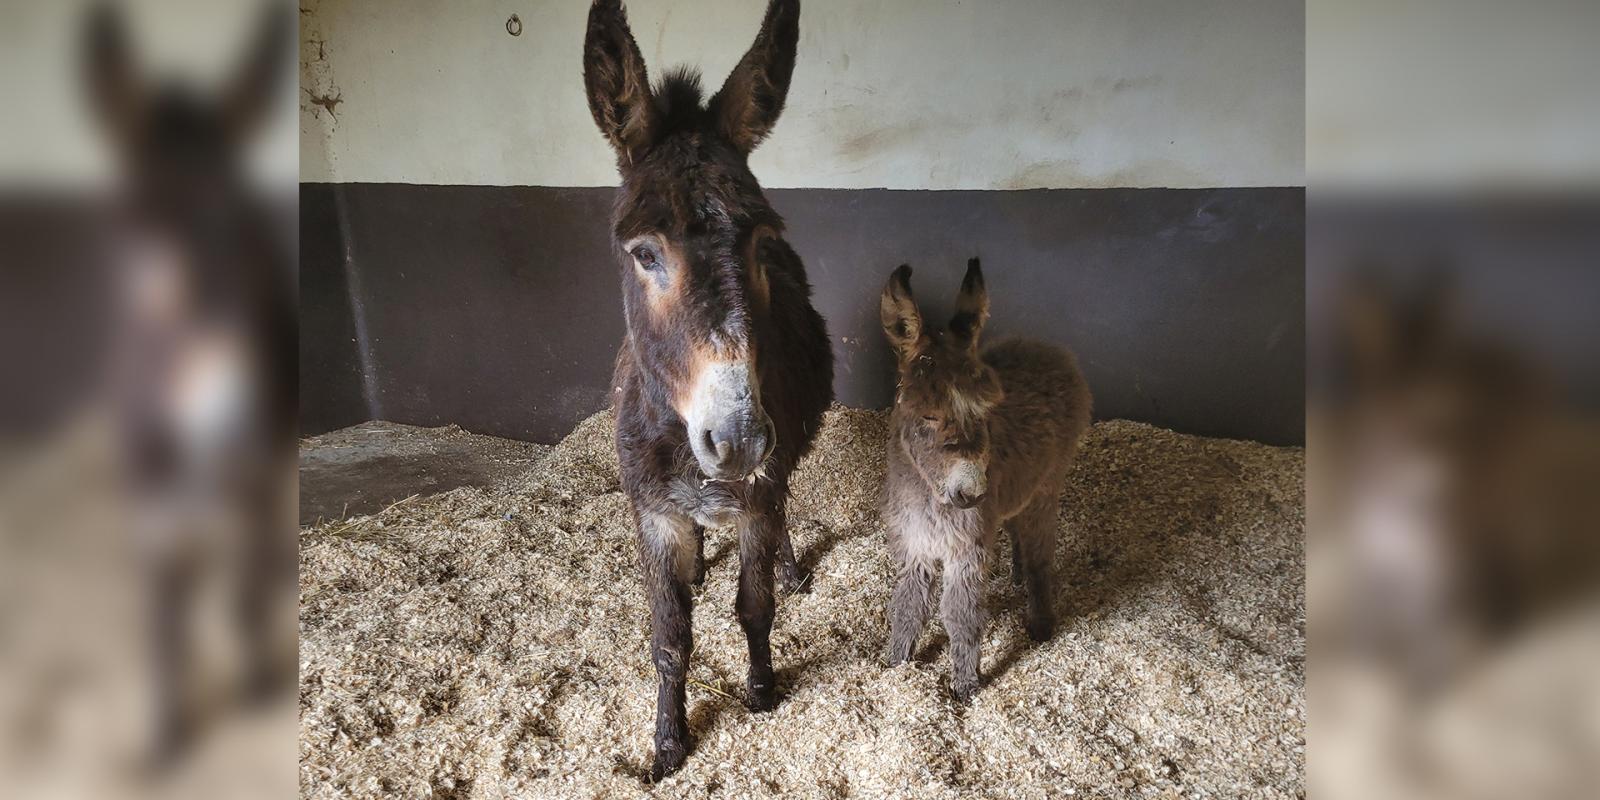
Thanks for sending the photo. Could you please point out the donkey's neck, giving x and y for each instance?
(651, 398)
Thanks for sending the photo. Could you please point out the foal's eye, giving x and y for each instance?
(646, 257)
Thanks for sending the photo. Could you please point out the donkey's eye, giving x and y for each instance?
(646, 257)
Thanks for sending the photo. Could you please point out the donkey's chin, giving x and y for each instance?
(711, 470)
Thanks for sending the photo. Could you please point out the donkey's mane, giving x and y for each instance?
(678, 97)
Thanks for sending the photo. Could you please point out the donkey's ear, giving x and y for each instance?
(115, 91)
(972, 305)
(897, 309)
(253, 87)
(751, 99)
(617, 82)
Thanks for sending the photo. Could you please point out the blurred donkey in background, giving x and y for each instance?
(202, 380)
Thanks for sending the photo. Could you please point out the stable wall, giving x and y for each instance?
(1129, 173)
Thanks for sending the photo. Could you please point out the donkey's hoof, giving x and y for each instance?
(762, 699)
(793, 580)
(669, 759)
(762, 687)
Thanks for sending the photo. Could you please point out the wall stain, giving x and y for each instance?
(1048, 117)
(316, 74)
(1155, 172)
(326, 102)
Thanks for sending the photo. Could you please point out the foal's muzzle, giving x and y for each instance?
(965, 485)
(963, 500)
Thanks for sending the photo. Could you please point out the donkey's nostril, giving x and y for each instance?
(722, 446)
(734, 448)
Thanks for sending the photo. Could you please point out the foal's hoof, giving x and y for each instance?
(669, 759)
(1039, 629)
(963, 691)
(898, 654)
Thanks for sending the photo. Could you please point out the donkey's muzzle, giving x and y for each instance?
(734, 448)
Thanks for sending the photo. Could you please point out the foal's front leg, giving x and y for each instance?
(759, 538)
(961, 607)
(667, 554)
(909, 608)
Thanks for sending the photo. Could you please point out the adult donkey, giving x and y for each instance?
(203, 381)
(726, 369)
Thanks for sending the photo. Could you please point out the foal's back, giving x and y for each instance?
(1034, 430)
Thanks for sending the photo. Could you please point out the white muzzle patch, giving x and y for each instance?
(966, 478)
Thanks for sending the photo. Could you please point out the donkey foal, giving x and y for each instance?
(975, 441)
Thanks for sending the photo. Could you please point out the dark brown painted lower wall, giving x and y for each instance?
(496, 308)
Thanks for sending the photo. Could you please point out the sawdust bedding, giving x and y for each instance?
(493, 642)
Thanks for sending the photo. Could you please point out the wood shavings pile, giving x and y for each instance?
(493, 642)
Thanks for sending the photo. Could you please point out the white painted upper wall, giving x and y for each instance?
(906, 94)
(49, 135)
(1453, 94)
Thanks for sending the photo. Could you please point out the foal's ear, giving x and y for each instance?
(617, 82)
(253, 87)
(115, 92)
(751, 99)
(972, 305)
(897, 309)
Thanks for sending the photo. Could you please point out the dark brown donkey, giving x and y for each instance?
(726, 370)
(975, 441)
(204, 380)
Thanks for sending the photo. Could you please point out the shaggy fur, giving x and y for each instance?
(1013, 415)
(707, 276)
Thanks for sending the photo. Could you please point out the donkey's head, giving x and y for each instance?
(181, 149)
(695, 232)
(945, 391)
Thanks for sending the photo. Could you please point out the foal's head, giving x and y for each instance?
(694, 230)
(946, 391)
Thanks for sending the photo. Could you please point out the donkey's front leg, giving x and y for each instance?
(667, 553)
(961, 607)
(791, 576)
(699, 578)
(758, 546)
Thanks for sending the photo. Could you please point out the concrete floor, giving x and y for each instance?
(364, 468)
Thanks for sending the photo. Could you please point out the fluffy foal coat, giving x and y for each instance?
(726, 370)
(976, 442)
